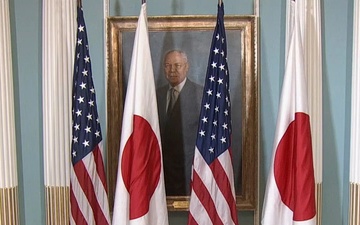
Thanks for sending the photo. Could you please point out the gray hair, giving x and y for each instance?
(181, 52)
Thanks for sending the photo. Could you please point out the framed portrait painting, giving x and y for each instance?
(190, 35)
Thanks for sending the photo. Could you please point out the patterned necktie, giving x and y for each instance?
(171, 101)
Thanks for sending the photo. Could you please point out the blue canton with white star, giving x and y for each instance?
(86, 133)
(214, 130)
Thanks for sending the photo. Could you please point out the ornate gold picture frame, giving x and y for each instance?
(192, 34)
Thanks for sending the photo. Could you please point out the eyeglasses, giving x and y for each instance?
(176, 66)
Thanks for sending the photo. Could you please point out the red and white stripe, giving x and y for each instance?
(88, 191)
(211, 201)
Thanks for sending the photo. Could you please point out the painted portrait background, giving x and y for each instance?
(196, 44)
(193, 35)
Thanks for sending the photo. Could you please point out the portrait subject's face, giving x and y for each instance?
(176, 68)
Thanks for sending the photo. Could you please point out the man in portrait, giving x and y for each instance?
(179, 104)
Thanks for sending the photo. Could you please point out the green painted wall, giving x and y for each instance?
(26, 16)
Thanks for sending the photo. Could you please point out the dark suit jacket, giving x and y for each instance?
(178, 136)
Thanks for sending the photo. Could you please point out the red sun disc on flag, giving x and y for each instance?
(140, 166)
(293, 169)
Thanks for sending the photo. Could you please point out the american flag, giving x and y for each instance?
(88, 190)
(213, 195)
